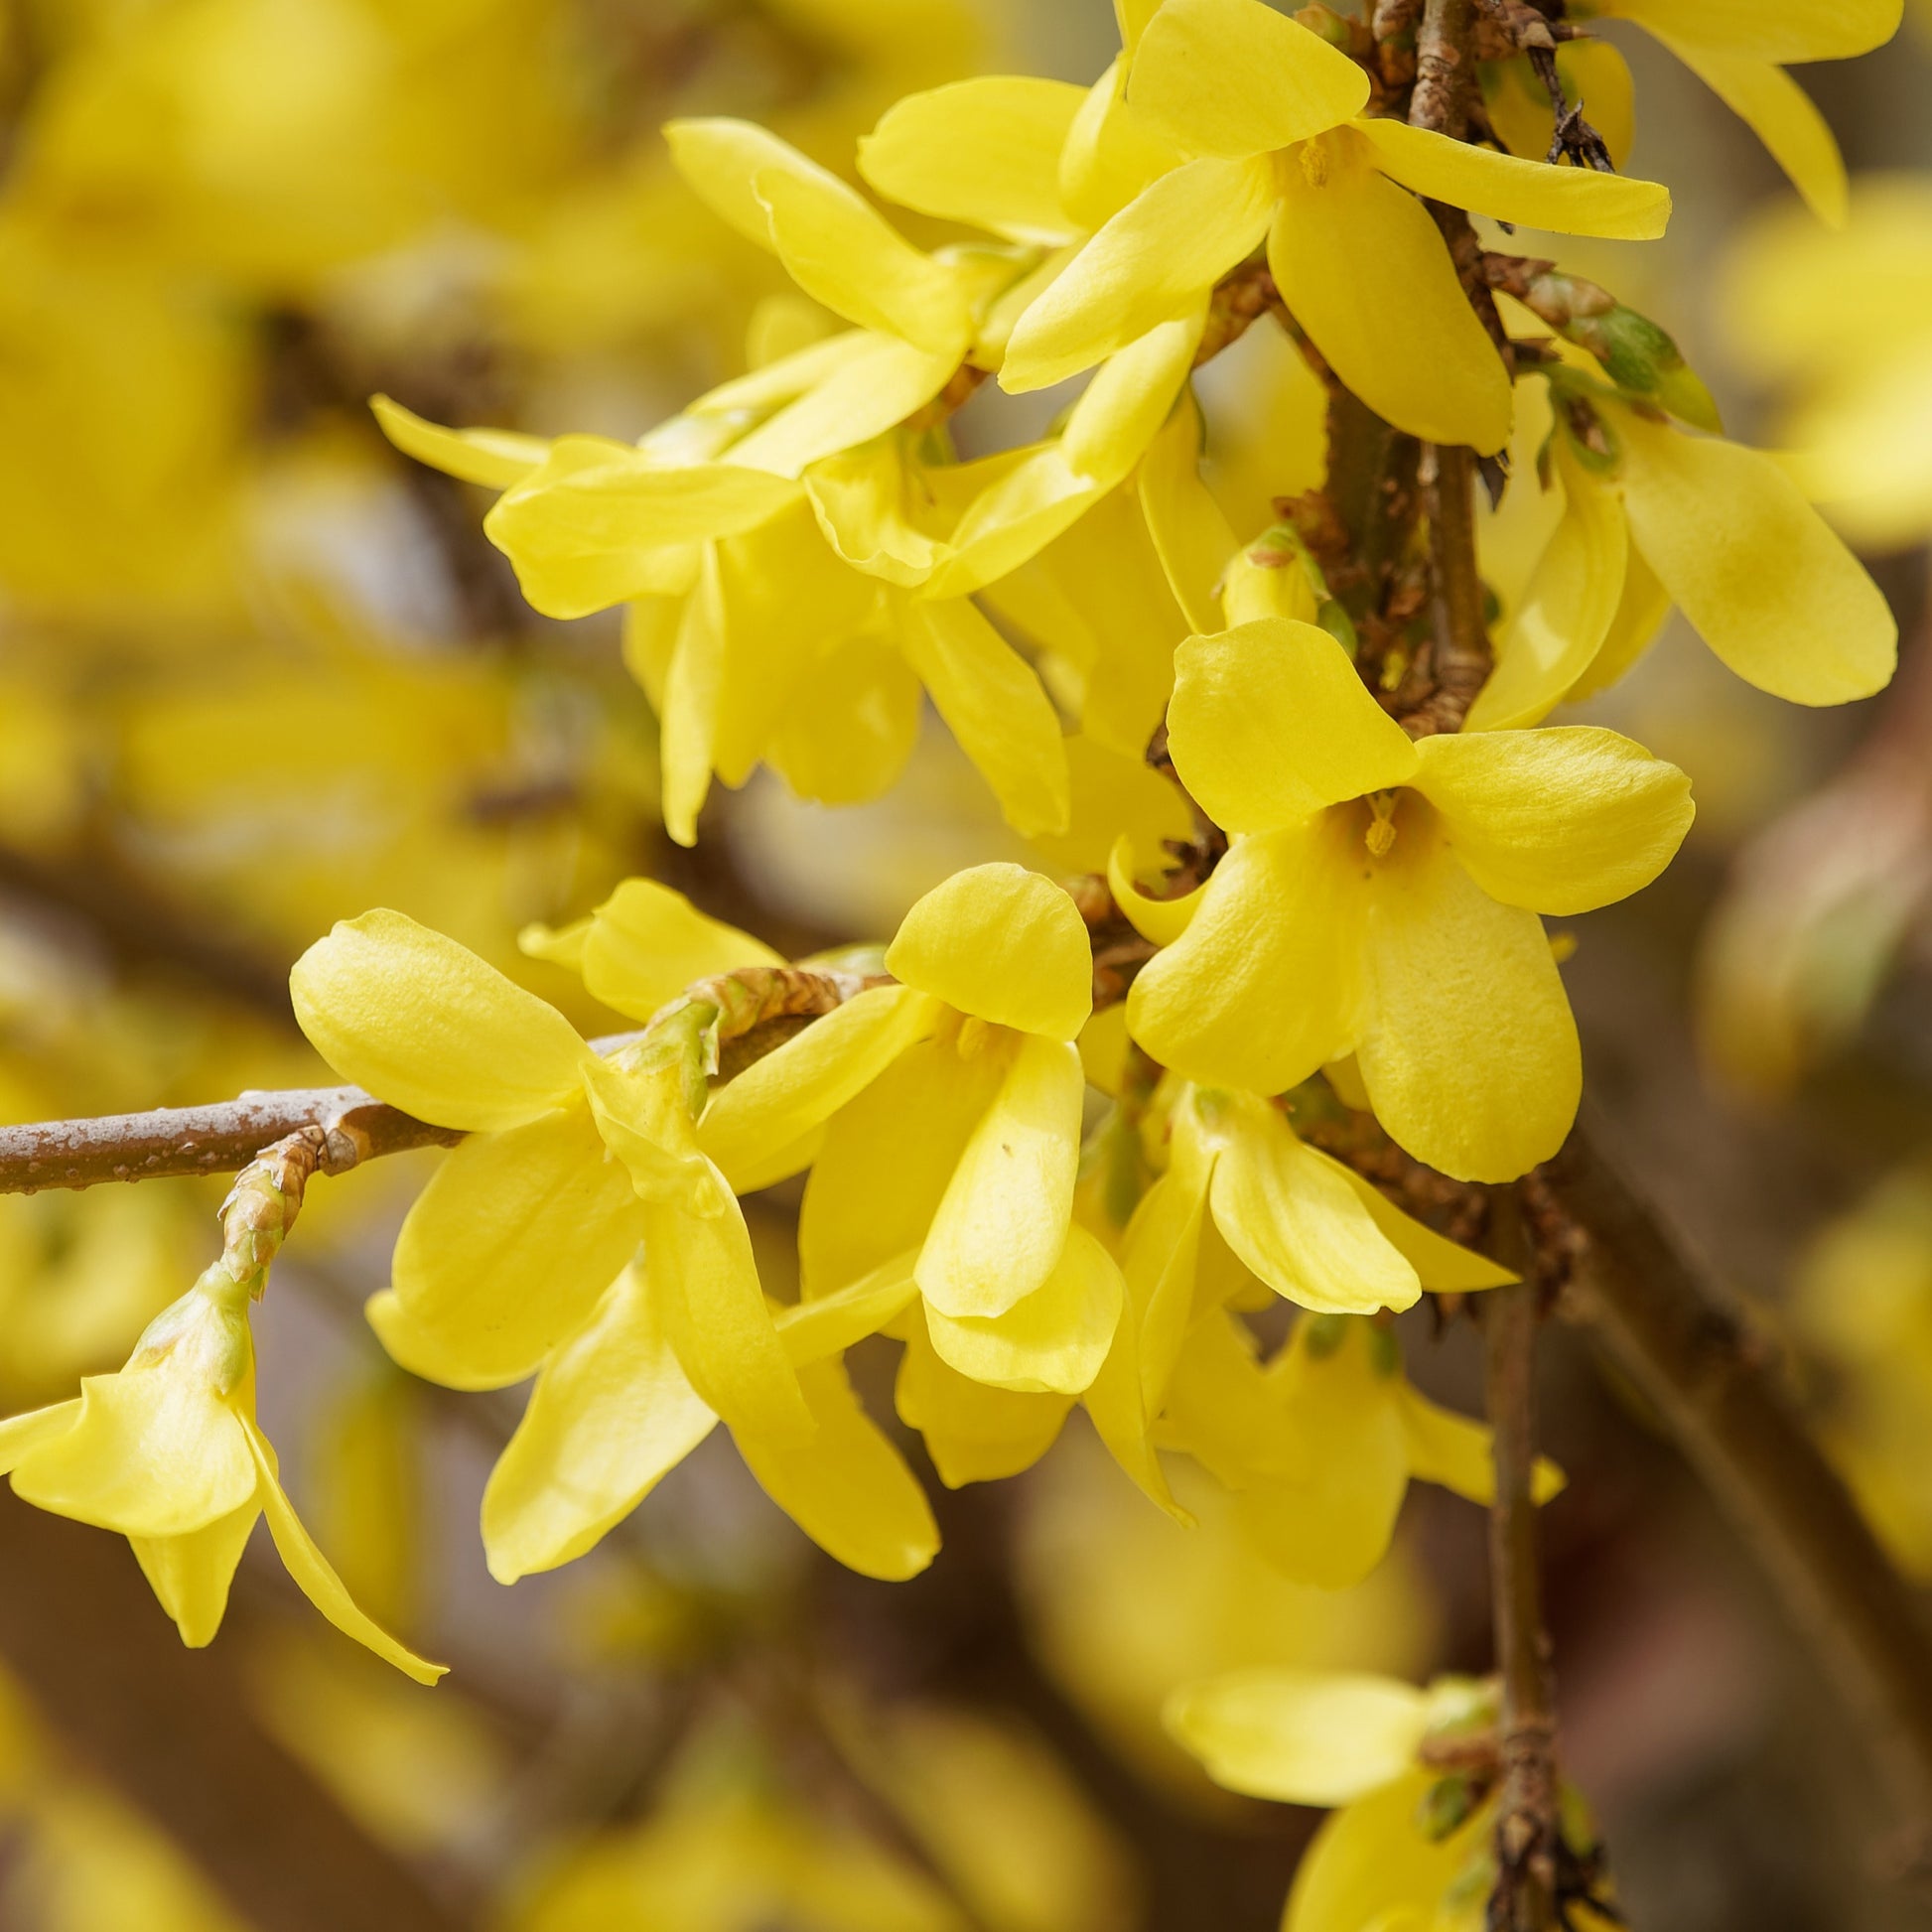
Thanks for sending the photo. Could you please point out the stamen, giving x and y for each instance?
(1379, 835)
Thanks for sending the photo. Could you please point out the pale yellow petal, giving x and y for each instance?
(1640, 614)
(687, 712)
(876, 387)
(1364, 270)
(312, 1575)
(612, 1413)
(1270, 722)
(1003, 1221)
(1190, 530)
(1002, 944)
(985, 151)
(507, 1249)
(27, 1431)
(646, 943)
(1770, 30)
(722, 158)
(850, 726)
(847, 1487)
(973, 1432)
(1469, 1051)
(1112, 151)
(1051, 1341)
(1110, 428)
(1236, 78)
(494, 457)
(1298, 1737)
(1458, 1451)
(1531, 194)
(829, 1325)
(190, 1574)
(1371, 1870)
(1112, 791)
(1753, 566)
(1562, 819)
(1441, 1265)
(993, 703)
(1154, 262)
(425, 1024)
(1265, 986)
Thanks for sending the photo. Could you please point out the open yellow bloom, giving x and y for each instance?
(1380, 898)
(1655, 516)
(168, 1453)
(1739, 51)
(1270, 115)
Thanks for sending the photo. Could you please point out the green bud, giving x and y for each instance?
(1448, 1805)
(1327, 1333)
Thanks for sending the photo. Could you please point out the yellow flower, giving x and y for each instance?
(1653, 516)
(1270, 117)
(168, 1453)
(951, 1135)
(1740, 53)
(1408, 1845)
(1380, 898)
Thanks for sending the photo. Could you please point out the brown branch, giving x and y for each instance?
(1694, 1352)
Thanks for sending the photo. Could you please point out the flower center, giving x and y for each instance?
(1379, 834)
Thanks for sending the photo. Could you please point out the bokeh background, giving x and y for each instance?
(258, 672)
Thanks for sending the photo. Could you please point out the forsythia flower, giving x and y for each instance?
(1271, 116)
(168, 1452)
(1380, 898)
(1654, 516)
(1741, 53)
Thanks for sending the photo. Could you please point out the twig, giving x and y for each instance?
(1693, 1352)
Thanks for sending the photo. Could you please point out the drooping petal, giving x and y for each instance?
(1296, 1223)
(1265, 985)
(1532, 194)
(1236, 78)
(1459, 1453)
(1469, 1051)
(1163, 921)
(850, 726)
(687, 711)
(1154, 262)
(1270, 722)
(1018, 515)
(1440, 1264)
(1109, 429)
(311, 1572)
(1112, 789)
(611, 1414)
(1002, 944)
(779, 1100)
(1299, 1737)
(1562, 819)
(992, 704)
(722, 159)
(646, 943)
(27, 1431)
(972, 1433)
(1003, 1221)
(1567, 610)
(190, 1574)
(1370, 1866)
(1053, 1340)
(848, 1488)
(829, 1325)
(1190, 532)
(704, 1281)
(1112, 151)
(1769, 30)
(985, 151)
(1640, 614)
(507, 1249)
(1365, 271)
(494, 457)
(1225, 1410)
(425, 1024)
(880, 383)
(1768, 586)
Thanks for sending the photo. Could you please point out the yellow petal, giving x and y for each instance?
(992, 704)
(507, 1249)
(1533, 194)
(1370, 1866)
(972, 1433)
(1034, 502)
(1003, 1221)
(1593, 72)
(1270, 722)
(985, 151)
(1265, 985)
(495, 457)
(1113, 789)
(829, 1325)
(1234, 78)
(1161, 920)
(27, 1431)
(1154, 262)
(1770, 30)
(861, 499)
(849, 727)
(310, 1571)
(1459, 1453)
(1051, 1341)
(879, 382)
(1112, 151)
(887, 1161)
(1441, 1265)
(1002, 944)
(425, 1024)
(1640, 614)
(612, 1413)
(1753, 566)
(705, 1282)
(1469, 1052)
(190, 1574)
(646, 943)
(777, 1101)
(1298, 1737)
(721, 158)
(1190, 532)
(1119, 413)
(848, 1488)
(1364, 270)
(1294, 1221)
(1566, 609)
(1562, 819)
(1227, 1412)
(687, 724)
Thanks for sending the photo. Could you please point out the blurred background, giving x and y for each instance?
(257, 672)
